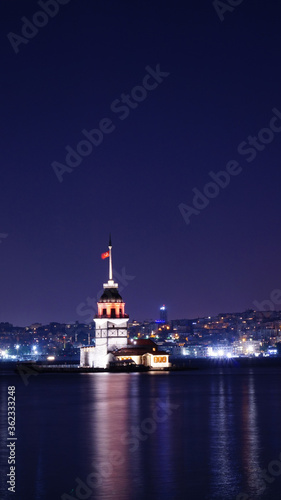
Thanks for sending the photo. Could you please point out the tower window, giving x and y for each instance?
(113, 313)
(104, 312)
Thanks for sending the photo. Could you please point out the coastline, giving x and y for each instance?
(178, 365)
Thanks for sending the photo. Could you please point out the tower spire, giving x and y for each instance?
(110, 283)
(110, 258)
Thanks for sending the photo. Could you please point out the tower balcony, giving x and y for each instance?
(112, 315)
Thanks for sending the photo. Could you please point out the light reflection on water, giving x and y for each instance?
(250, 438)
(235, 448)
(222, 452)
(129, 442)
(211, 447)
(108, 423)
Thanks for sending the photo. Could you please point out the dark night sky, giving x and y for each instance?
(224, 81)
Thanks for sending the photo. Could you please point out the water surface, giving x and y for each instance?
(198, 435)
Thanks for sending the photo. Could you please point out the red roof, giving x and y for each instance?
(156, 353)
(143, 342)
(129, 351)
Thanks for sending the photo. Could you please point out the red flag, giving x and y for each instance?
(105, 255)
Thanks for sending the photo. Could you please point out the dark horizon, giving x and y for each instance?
(176, 94)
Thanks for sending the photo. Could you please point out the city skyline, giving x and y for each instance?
(267, 311)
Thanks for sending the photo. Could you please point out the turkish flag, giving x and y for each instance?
(105, 255)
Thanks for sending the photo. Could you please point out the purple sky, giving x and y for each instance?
(221, 82)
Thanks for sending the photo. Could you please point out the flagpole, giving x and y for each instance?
(110, 259)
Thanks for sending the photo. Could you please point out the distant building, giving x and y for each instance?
(163, 314)
(34, 326)
(246, 347)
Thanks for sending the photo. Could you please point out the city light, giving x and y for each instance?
(218, 353)
(272, 352)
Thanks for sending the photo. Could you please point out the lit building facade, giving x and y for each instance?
(144, 352)
(246, 347)
(111, 333)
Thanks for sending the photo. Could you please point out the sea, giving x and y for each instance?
(207, 434)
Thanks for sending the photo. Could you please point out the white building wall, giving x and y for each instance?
(87, 356)
(117, 343)
(156, 360)
(100, 353)
(111, 334)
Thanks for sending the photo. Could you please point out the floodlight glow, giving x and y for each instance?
(50, 358)
(211, 353)
(220, 353)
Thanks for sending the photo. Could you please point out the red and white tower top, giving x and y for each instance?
(111, 304)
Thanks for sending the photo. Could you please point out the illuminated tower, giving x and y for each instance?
(163, 314)
(111, 321)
